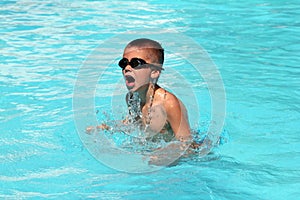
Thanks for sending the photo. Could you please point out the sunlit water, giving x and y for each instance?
(255, 45)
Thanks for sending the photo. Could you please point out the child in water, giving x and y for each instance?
(158, 110)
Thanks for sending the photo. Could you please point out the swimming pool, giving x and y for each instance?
(253, 44)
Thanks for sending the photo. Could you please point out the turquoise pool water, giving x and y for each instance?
(255, 46)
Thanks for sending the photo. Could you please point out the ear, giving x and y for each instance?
(155, 74)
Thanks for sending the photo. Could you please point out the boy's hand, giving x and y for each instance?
(103, 127)
(91, 129)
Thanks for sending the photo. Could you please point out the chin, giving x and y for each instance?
(131, 89)
(134, 88)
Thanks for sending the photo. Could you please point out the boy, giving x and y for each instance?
(159, 111)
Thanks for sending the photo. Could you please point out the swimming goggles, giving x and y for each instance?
(135, 62)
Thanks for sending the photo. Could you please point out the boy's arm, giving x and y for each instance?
(177, 117)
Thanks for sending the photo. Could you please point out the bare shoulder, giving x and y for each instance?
(167, 98)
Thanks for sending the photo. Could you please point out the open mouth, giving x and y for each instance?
(129, 80)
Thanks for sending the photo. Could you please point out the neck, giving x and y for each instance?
(146, 93)
(143, 93)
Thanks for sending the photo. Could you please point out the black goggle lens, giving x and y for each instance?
(134, 62)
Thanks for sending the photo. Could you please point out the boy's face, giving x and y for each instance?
(136, 78)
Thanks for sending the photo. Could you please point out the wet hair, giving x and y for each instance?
(155, 49)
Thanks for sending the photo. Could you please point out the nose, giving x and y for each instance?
(127, 68)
